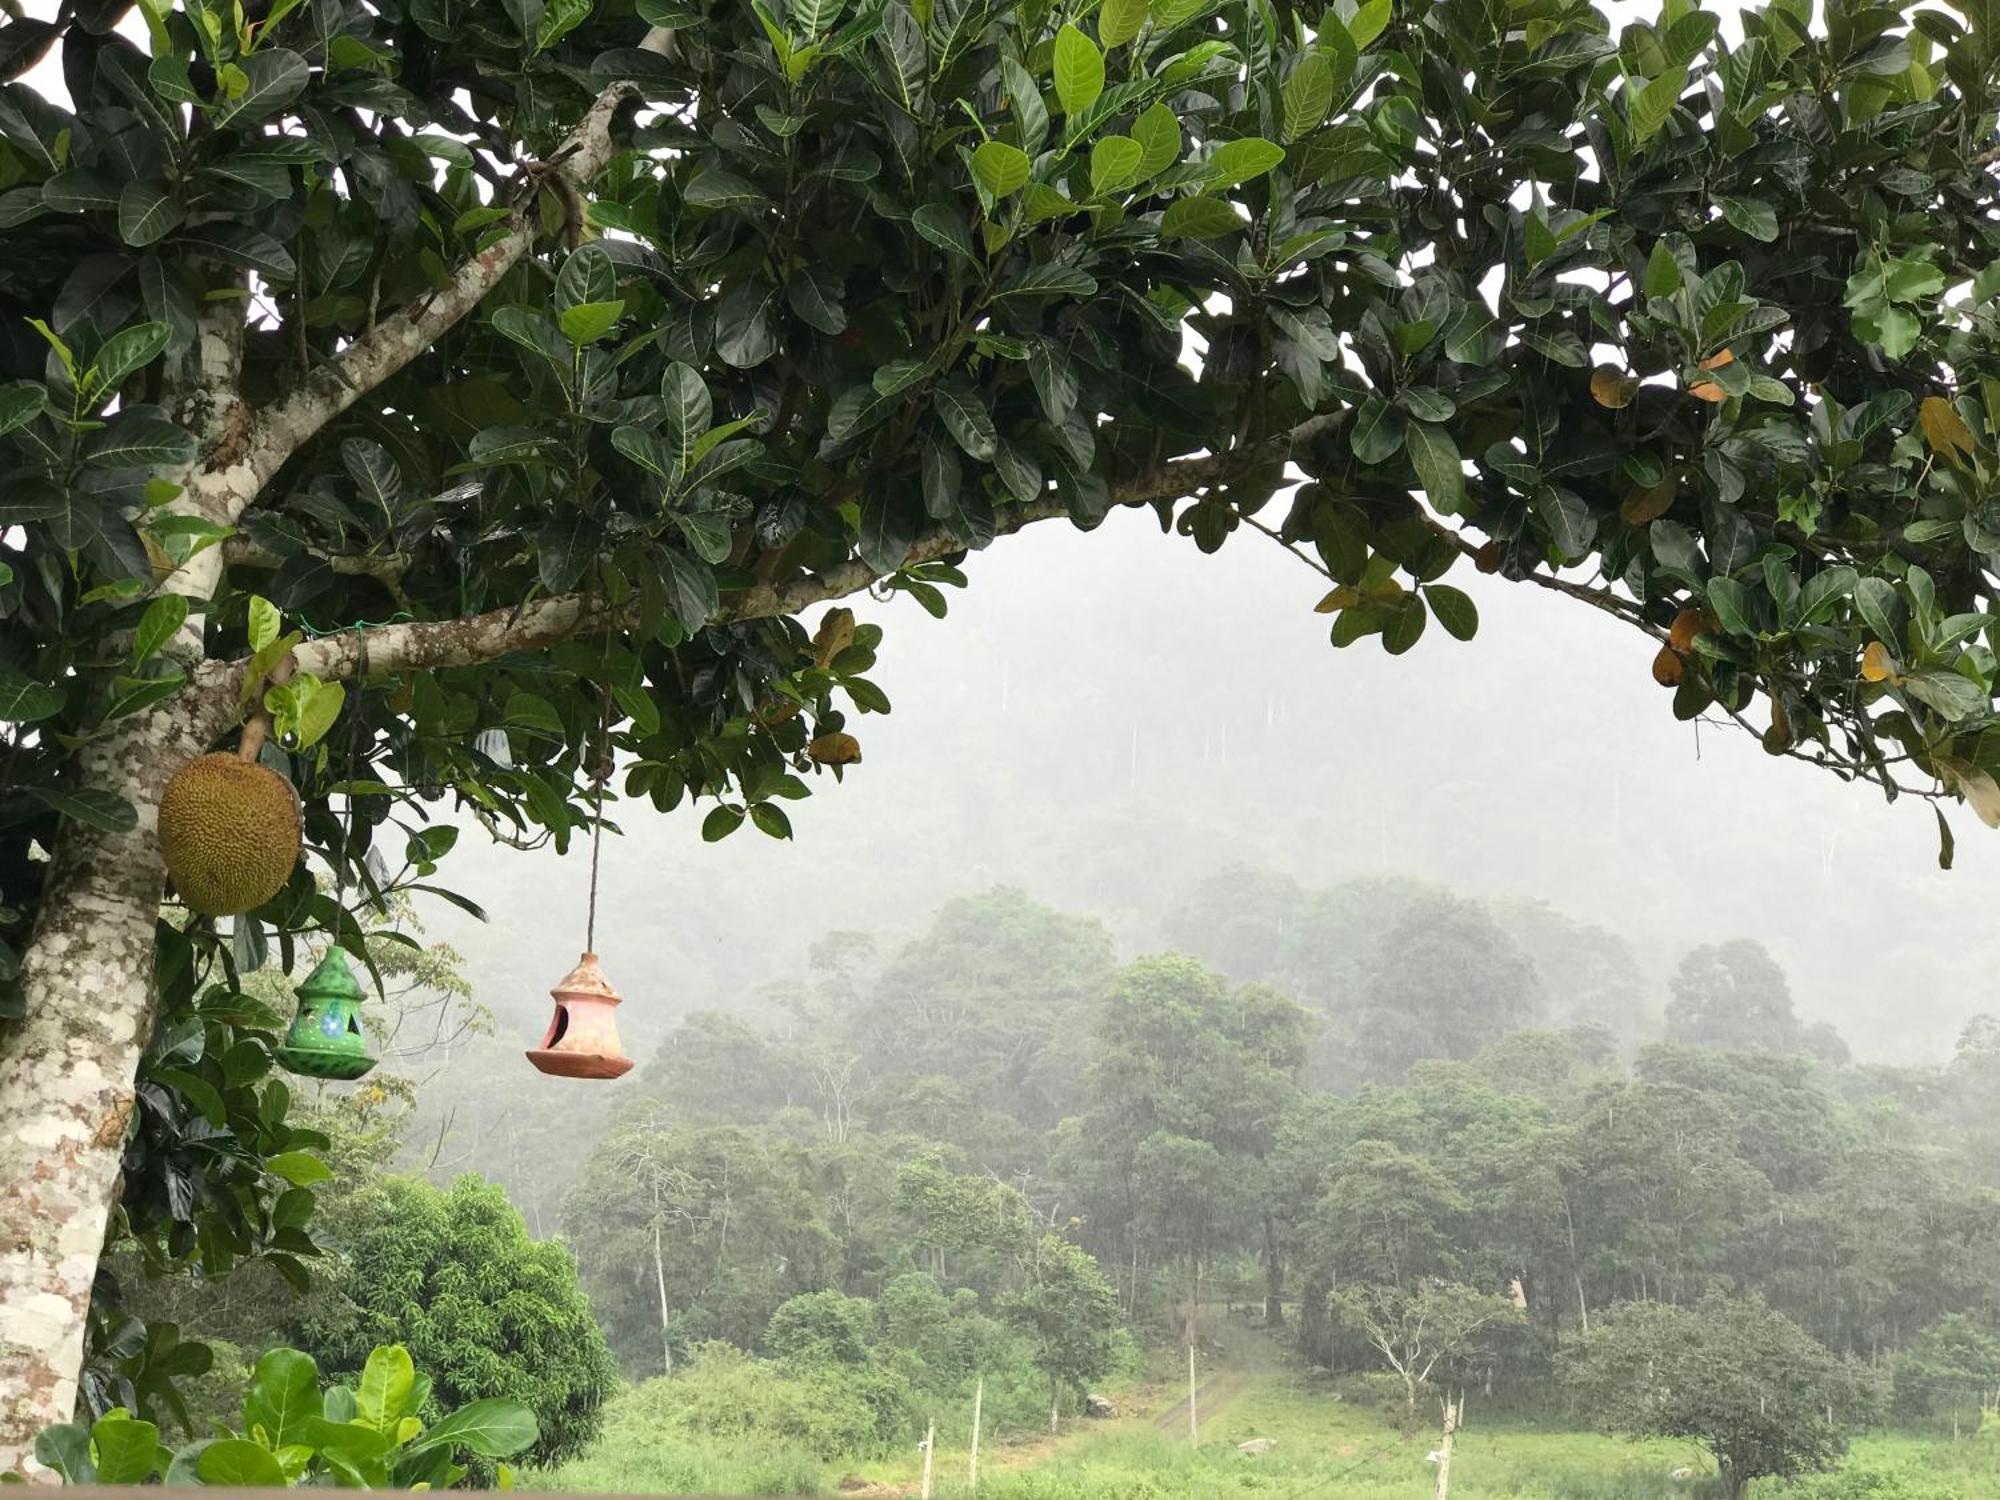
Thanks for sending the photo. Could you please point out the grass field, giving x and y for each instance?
(1324, 1450)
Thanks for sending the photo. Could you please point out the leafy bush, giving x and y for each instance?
(487, 1310)
(822, 1326)
(828, 1411)
(367, 1437)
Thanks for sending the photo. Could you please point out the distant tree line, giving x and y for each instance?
(1371, 1108)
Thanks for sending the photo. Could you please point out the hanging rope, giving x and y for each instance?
(353, 770)
(599, 773)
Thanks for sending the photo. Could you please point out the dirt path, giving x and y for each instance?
(1238, 1356)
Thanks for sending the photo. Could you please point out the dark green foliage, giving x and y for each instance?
(1747, 1383)
(822, 1328)
(485, 1310)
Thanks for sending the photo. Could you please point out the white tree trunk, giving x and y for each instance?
(67, 1070)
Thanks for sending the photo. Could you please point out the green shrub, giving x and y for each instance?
(486, 1310)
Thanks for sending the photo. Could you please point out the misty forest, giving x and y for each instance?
(1421, 924)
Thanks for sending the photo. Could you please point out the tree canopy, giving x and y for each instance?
(528, 368)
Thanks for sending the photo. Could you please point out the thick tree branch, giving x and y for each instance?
(420, 645)
(328, 390)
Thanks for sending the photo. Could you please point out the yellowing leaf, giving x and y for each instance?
(835, 635)
(1648, 504)
(1718, 359)
(1980, 791)
(1613, 388)
(1667, 667)
(1688, 624)
(1945, 430)
(1344, 597)
(1877, 665)
(1708, 390)
(835, 750)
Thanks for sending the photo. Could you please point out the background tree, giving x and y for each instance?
(1745, 1382)
(484, 1310)
(1416, 1329)
(1070, 1311)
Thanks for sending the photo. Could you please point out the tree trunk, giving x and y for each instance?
(67, 1069)
(1274, 1276)
(666, 1333)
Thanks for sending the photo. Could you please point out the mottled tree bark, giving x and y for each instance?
(67, 1070)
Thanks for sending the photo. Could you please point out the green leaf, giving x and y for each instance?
(491, 1428)
(1079, 71)
(141, 443)
(1200, 218)
(240, 245)
(1000, 168)
(715, 188)
(103, 810)
(1158, 132)
(688, 411)
(21, 403)
(1434, 456)
(284, 1398)
(299, 1168)
(945, 228)
(1663, 272)
(966, 418)
(587, 322)
(1952, 696)
(319, 711)
(1114, 162)
(1235, 162)
(889, 522)
(146, 212)
(1651, 105)
(1118, 21)
(1753, 216)
(264, 622)
(24, 700)
(1878, 604)
(126, 352)
(275, 78)
(744, 335)
(65, 1449)
(383, 1397)
(1307, 95)
(238, 1463)
(1368, 22)
(161, 622)
(721, 822)
(1405, 625)
(1731, 602)
(1454, 610)
(1378, 431)
(128, 1451)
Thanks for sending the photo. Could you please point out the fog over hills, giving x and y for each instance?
(1102, 721)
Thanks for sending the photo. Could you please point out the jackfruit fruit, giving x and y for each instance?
(229, 833)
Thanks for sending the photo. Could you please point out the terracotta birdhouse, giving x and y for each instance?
(583, 1038)
(326, 1039)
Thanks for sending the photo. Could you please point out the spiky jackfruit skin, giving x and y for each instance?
(229, 833)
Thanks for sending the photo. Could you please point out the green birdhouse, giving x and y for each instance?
(326, 1039)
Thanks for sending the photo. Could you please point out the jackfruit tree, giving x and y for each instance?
(503, 370)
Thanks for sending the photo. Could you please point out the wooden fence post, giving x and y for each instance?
(1444, 1448)
(972, 1463)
